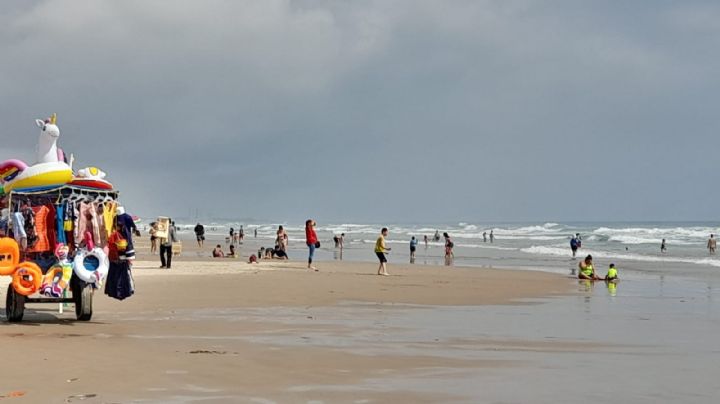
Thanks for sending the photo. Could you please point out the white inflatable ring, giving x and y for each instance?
(90, 275)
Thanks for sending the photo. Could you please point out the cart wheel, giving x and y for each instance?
(14, 305)
(83, 302)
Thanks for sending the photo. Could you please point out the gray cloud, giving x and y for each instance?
(376, 110)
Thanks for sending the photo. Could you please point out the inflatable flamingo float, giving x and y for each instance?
(49, 171)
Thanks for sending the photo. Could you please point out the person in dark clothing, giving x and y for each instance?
(128, 229)
(574, 245)
(200, 234)
(166, 247)
(119, 283)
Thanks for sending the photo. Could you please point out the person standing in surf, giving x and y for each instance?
(281, 239)
(712, 244)
(413, 248)
(312, 241)
(449, 245)
(663, 247)
(574, 246)
(492, 236)
(200, 234)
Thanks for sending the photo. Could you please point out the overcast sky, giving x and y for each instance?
(381, 111)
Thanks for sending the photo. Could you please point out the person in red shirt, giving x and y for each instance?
(116, 243)
(311, 240)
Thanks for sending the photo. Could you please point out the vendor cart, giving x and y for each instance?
(78, 292)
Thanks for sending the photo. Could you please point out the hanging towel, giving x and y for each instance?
(18, 227)
(42, 242)
(60, 223)
(109, 216)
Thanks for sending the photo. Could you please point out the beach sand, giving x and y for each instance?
(222, 330)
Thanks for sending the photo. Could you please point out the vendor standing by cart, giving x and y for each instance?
(166, 246)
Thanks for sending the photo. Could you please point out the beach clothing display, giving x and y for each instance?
(56, 229)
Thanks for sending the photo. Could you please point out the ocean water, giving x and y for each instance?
(634, 247)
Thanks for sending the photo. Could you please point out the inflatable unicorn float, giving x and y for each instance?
(51, 170)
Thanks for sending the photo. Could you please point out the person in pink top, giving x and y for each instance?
(311, 240)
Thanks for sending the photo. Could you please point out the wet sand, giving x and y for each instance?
(275, 332)
(226, 331)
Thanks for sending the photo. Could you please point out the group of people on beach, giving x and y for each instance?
(711, 245)
(576, 243)
(218, 252)
(381, 249)
(279, 251)
(587, 271)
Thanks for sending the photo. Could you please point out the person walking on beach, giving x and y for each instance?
(153, 238)
(573, 245)
(484, 237)
(448, 249)
(712, 244)
(587, 271)
(492, 236)
(200, 234)
(663, 247)
(312, 241)
(241, 235)
(166, 247)
(232, 235)
(413, 247)
(426, 241)
(380, 250)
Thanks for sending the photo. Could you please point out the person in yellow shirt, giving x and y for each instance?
(612, 273)
(380, 250)
(587, 271)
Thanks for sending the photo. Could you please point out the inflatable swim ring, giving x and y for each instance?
(91, 266)
(91, 177)
(94, 184)
(37, 177)
(56, 280)
(27, 279)
(9, 255)
(9, 169)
